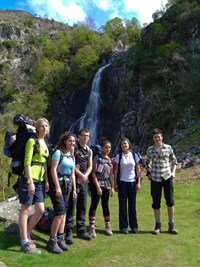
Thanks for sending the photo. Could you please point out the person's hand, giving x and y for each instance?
(112, 192)
(99, 191)
(46, 186)
(116, 188)
(173, 175)
(74, 195)
(138, 185)
(82, 179)
(58, 192)
(31, 189)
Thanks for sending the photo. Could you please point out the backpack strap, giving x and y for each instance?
(120, 157)
(62, 155)
(134, 157)
(118, 171)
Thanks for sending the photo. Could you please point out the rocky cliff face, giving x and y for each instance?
(125, 104)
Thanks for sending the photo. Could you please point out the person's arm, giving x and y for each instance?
(89, 169)
(112, 181)
(138, 185)
(74, 194)
(96, 183)
(46, 181)
(148, 166)
(115, 176)
(95, 178)
(174, 163)
(54, 165)
(27, 163)
(83, 177)
(174, 170)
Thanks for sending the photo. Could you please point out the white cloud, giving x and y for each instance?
(144, 8)
(73, 11)
(66, 11)
(103, 4)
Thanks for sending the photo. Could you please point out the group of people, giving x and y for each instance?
(72, 165)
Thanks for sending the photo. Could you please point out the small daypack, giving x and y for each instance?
(15, 143)
(46, 220)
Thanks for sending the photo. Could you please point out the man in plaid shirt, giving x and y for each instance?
(161, 167)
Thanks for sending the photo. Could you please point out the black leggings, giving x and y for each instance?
(104, 203)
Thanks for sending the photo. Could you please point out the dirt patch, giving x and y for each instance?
(189, 174)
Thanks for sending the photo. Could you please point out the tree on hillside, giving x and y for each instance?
(114, 28)
(133, 30)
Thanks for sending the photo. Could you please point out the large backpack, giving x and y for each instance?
(15, 143)
(96, 150)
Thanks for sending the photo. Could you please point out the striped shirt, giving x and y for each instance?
(159, 164)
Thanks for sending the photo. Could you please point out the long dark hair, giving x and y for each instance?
(61, 141)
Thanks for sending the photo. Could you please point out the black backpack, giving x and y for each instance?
(15, 143)
(96, 150)
(45, 222)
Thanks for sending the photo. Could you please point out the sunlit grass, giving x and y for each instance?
(144, 249)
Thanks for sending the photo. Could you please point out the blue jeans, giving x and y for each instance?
(127, 194)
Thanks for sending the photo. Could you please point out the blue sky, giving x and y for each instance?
(73, 11)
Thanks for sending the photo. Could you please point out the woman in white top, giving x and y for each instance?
(127, 183)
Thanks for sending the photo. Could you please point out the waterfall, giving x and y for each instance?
(90, 118)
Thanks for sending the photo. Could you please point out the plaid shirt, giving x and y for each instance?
(160, 164)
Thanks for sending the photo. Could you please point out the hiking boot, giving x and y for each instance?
(134, 230)
(30, 248)
(31, 237)
(124, 231)
(31, 240)
(157, 229)
(108, 230)
(61, 243)
(69, 237)
(84, 236)
(172, 230)
(92, 232)
(52, 246)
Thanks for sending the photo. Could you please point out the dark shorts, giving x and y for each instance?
(60, 204)
(156, 192)
(24, 198)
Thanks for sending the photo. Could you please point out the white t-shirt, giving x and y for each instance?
(127, 166)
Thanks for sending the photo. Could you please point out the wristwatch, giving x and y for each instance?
(29, 181)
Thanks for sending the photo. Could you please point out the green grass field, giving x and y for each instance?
(144, 249)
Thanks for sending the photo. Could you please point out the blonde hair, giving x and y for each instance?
(39, 122)
(37, 126)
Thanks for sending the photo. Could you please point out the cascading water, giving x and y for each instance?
(90, 119)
